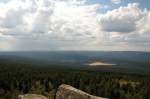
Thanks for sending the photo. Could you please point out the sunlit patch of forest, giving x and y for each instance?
(21, 78)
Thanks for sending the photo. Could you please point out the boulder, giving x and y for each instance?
(63, 92)
(69, 92)
(31, 96)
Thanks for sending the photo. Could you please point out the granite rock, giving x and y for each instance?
(31, 96)
(69, 92)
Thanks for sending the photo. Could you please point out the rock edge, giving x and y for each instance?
(64, 92)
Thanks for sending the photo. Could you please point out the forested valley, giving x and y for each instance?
(26, 77)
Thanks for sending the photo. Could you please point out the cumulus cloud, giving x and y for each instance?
(71, 24)
(126, 27)
(49, 19)
(123, 20)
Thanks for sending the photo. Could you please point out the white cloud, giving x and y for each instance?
(122, 20)
(116, 1)
(126, 27)
(71, 24)
(53, 20)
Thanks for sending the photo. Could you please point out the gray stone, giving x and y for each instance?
(31, 96)
(63, 92)
(69, 92)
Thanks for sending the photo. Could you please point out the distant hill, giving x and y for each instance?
(124, 60)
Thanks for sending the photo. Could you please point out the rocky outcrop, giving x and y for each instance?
(63, 92)
(69, 92)
(31, 96)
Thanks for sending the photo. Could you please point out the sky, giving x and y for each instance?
(108, 25)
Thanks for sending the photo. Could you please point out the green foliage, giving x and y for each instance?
(21, 78)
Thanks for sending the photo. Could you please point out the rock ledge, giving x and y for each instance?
(64, 92)
(31, 96)
(69, 92)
